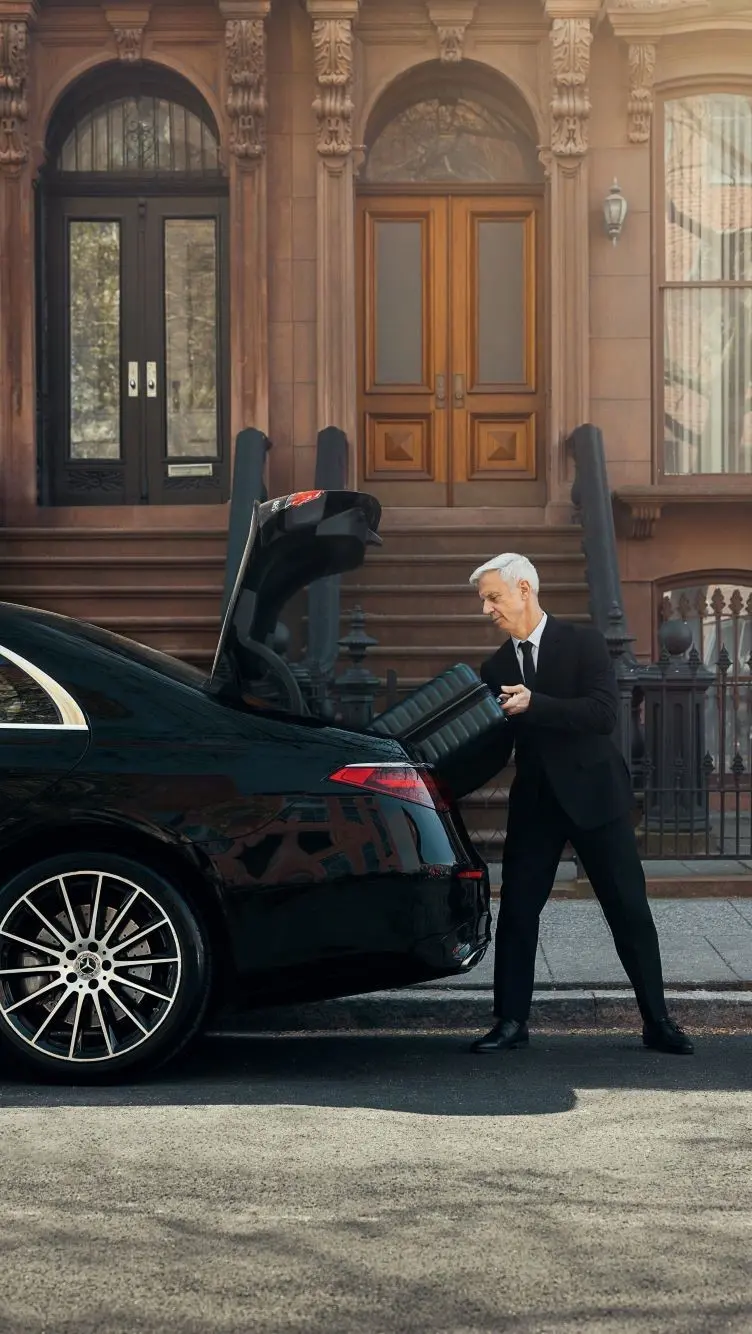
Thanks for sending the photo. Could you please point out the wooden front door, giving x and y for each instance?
(136, 343)
(451, 395)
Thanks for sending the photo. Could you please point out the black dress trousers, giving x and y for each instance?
(538, 830)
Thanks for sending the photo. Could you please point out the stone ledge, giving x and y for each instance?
(638, 508)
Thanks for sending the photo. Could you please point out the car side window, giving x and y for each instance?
(29, 698)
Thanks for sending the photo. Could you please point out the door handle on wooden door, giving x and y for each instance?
(151, 379)
(459, 391)
(133, 379)
(441, 391)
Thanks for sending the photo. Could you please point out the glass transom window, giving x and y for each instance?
(140, 134)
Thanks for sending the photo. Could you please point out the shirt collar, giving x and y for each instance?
(536, 636)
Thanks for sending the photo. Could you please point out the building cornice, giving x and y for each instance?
(652, 19)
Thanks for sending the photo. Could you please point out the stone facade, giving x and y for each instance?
(295, 90)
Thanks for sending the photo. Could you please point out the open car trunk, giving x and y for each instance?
(292, 542)
(453, 722)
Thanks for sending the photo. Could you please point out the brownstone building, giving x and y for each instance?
(387, 215)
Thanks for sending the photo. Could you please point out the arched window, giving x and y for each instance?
(435, 128)
(133, 323)
(126, 121)
(705, 276)
(141, 133)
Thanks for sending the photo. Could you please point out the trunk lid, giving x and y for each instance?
(292, 541)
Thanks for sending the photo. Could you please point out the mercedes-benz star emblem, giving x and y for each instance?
(87, 965)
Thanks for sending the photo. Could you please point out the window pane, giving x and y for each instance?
(708, 380)
(22, 700)
(140, 134)
(399, 302)
(190, 266)
(453, 139)
(708, 173)
(94, 325)
(501, 302)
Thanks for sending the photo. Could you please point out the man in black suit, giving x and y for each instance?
(559, 691)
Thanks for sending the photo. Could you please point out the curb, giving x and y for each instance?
(437, 1008)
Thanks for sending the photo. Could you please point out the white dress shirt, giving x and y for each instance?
(534, 639)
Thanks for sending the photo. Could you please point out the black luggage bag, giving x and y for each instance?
(453, 722)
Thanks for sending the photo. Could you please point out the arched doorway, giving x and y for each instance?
(133, 315)
(450, 215)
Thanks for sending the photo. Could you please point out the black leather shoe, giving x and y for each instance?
(665, 1035)
(504, 1036)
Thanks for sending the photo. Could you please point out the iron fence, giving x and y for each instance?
(690, 739)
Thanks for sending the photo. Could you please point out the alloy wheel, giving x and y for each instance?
(90, 966)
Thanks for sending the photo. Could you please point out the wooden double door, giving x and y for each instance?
(451, 398)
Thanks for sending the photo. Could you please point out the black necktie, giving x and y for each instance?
(528, 664)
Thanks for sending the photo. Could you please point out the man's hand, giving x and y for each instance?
(514, 700)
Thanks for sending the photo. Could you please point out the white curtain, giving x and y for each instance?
(707, 296)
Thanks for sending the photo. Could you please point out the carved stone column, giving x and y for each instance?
(245, 102)
(570, 42)
(333, 43)
(17, 396)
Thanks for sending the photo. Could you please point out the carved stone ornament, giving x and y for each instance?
(245, 44)
(546, 159)
(451, 42)
(14, 110)
(642, 518)
(128, 41)
(571, 40)
(641, 75)
(333, 59)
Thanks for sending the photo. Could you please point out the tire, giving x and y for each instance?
(121, 995)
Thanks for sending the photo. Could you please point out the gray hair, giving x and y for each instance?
(511, 569)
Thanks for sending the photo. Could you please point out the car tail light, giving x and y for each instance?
(402, 781)
(470, 875)
(301, 498)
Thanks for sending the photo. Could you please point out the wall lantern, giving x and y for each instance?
(614, 211)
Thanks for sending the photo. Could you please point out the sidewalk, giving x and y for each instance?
(706, 946)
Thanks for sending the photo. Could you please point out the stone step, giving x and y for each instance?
(110, 570)
(91, 602)
(111, 542)
(383, 567)
(181, 636)
(395, 600)
(468, 540)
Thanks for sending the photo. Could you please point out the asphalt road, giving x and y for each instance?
(386, 1185)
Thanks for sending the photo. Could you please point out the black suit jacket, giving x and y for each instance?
(566, 735)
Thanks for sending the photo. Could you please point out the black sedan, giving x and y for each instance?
(173, 845)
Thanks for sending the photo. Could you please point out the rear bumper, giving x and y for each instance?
(464, 934)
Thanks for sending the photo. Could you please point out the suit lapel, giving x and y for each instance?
(546, 669)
